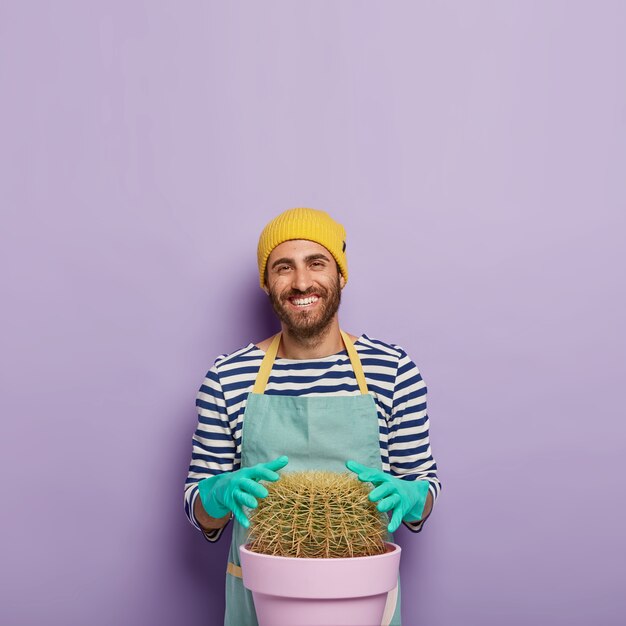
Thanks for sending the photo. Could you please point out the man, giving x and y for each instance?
(311, 397)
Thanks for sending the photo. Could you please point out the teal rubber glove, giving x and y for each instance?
(231, 491)
(406, 498)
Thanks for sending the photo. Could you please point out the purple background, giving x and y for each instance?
(475, 152)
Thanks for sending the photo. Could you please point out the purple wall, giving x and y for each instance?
(476, 153)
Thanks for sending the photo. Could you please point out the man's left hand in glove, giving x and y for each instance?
(406, 498)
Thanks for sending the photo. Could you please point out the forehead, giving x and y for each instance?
(297, 249)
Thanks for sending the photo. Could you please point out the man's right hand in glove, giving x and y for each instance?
(231, 491)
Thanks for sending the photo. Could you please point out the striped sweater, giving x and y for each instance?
(392, 378)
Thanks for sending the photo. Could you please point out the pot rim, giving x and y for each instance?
(395, 548)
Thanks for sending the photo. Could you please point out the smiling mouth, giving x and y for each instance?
(304, 303)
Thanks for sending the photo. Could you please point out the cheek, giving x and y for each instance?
(277, 290)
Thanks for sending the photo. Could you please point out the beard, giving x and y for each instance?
(306, 325)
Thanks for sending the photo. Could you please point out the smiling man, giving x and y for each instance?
(310, 397)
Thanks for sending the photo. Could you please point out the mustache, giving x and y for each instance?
(303, 294)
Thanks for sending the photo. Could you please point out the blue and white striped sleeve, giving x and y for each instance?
(410, 456)
(213, 450)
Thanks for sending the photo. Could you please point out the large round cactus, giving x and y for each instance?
(317, 514)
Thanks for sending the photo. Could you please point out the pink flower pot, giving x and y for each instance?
(317, 592)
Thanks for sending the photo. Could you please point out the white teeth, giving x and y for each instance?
(305, 301)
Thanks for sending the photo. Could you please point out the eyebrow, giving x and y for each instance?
(310, 257)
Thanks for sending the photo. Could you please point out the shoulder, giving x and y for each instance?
(380, 350)
(231, 361)
(373, 345)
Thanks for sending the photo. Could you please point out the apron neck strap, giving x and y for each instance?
(270, 356)
(266, 366)
(356, 363)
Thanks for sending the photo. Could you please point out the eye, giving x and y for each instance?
(318, 263)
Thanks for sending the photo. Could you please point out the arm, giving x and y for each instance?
(216, 490)
(410, 455)
(213, 453)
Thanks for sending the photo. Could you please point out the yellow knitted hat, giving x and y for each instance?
(308, 224)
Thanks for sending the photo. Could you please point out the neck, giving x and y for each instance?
(327, 342)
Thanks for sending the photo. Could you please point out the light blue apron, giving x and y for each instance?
(320, 432)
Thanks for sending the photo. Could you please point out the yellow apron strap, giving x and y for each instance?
(356, 363)
(268, 361)
(233, 570)
(266, 366)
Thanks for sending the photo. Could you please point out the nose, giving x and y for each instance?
(302, 279)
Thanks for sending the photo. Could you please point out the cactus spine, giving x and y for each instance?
(317, 514)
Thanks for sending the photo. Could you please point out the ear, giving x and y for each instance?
(342, 281)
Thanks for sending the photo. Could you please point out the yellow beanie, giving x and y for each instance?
(308, 224)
